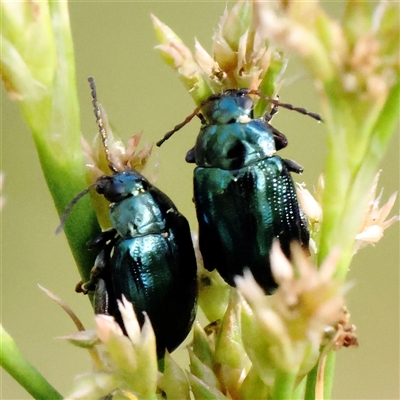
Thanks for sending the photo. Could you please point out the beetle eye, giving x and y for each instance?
(112, 189)
(102, 183)
(245, 102)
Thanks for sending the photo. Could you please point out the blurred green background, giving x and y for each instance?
(114, 43)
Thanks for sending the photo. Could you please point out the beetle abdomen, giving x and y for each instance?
(148, 272)
(240, 212)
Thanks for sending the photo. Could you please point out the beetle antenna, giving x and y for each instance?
(99, 121)
(181, 125)
(286, 105)
(187, 120)
(275, 102)
(70, 206)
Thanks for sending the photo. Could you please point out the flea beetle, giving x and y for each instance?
(244, 194)
(147, 255)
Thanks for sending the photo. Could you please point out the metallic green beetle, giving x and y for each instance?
(147, 255)
(244, 194)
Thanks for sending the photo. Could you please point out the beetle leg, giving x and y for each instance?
(102, 239)
(190, 156)
(202, 119)
(293, 166)
(212, 327)
(101, 298)
(304, 232)
(100, 266)
(268, 116)
(279, 138)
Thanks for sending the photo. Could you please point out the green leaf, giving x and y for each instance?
(94, 385)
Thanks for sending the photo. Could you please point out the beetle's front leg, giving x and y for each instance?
(99, 268)
(99, 283)
(280, 139)
(269, 115)
(105, 240)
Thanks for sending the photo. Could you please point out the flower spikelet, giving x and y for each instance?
(121, 156)
(129, 363)
(213, 290)
(375, 222)
(241, 57)
(289, 325)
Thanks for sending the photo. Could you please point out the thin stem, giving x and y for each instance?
(15, 363)
(319, 386)
(48, 99)
(329, 374)
(310, 385)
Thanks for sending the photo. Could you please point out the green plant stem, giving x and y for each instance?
(15, 363)
(283, 385)
(66, 175)
(310, 384)
(329, 374)
(329, 369)
(44, 83)
(349, 175)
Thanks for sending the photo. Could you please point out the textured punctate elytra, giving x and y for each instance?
(243, 192)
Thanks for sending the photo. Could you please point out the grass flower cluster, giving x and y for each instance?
(256, 346)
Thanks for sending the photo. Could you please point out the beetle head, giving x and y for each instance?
(227, 107)
(121, 185)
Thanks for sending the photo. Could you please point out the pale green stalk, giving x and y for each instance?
(14, 362)
(38, 70)
(355, 65)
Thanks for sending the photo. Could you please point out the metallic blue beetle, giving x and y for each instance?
(243, 192)
(147, 255)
